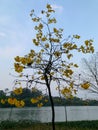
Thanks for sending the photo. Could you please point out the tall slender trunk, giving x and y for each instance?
(51, 100)
(52, 107)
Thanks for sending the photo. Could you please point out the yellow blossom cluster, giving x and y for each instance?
(57, 53)
(86, 85)
(19, 103)
(24, 60)
(69, 46)
(42, 77)
(38, 60)
(47, 45)
(36, 19)
(76, 36)
(52, 20)
(40, 104)
(66, 92)
(18, 91)
(39, 27)
(36, 100)
(18, 67)
(67, 72)
(13, 101)
(3, 101)
(55, 40)
(31, 54)
(35, 42)
(88, 48)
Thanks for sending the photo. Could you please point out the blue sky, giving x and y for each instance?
(16, 28)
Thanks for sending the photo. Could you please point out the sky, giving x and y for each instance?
(16, 28)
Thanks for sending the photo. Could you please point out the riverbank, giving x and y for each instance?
(28, 125)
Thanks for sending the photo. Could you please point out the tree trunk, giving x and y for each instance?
(52, 107)
(52, 103)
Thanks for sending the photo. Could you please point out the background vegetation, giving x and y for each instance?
(28, 94)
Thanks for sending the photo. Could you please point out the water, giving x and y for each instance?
(71, 113)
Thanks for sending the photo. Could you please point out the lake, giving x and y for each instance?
(43, 114)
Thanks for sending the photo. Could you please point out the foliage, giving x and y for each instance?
(51, 59)
(27, 95)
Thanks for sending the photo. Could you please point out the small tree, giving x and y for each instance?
(49, 61)
(89, 72)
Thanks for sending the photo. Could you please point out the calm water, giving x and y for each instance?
(72, 113)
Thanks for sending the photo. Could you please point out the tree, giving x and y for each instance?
(50, 60)
(89, 72)
(2, 94)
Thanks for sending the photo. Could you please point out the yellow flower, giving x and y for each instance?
(42, 50)
(29, 60)
(67, 72)
(18, 67)
(86, 85)
(52, 73)
(55, 30)
(48, 6)
(40, 97)
(57, 53)
(18, 91)
(11, 101)
(47, 45)
(3, 101)
(65, 90)
(86, 42)
(22, 103)
(67, 44)
(42, 78)
(92, 49)
(39, 72)
(75, 65)
(40, 104)
(34, 100)
(19, 103)
(40, 26)
(76, 36)
(44, 39)
(69, 56)
(38, 61)
(17, 59)
(23, 60)
(35, 42)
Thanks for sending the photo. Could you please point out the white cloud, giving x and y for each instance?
(58, 8)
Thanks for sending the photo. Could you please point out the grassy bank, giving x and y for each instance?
(28, 125)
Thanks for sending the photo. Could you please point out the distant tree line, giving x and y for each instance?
(27, 95)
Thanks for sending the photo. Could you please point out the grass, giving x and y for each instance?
(28, 125)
